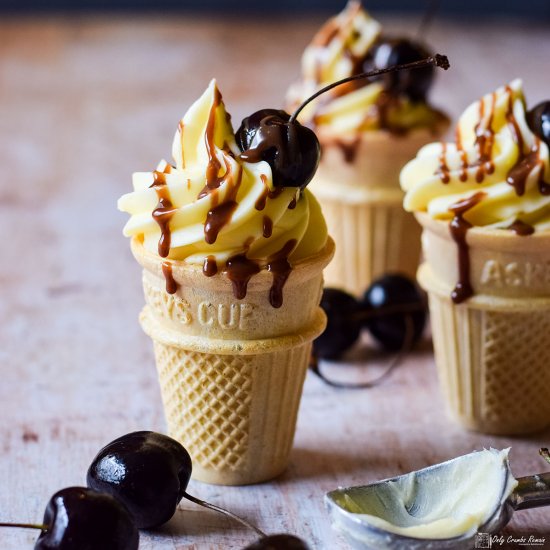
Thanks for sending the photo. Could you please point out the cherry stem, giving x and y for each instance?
(26, 526)
(545, 453)
(405, 348)
(225, 512)
(437, 60)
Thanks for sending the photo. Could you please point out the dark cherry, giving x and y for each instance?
(279, 542)
(78, 518)
(343, 327)
(395, 51)
(292, 150)
(538, 119)
(394, 292)
(147, 471)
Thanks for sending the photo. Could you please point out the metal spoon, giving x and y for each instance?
(409, 497)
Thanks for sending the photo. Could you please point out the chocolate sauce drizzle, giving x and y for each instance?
(443, 170)
(280, 267)
(267, 193)
(210, 267)
(163, 212)
(463, 176)
(459, 228)
(521, 228)
(239, 270)
(171, 284)
(217, 218)
(349, 148)
(519, 173)
(485, 140)
(267, 227)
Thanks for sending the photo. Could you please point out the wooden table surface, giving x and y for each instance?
(86, 101)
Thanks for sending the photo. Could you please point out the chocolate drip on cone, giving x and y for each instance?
(171, 284)
(459, 228)
(521, 229)
(280, 267)
(210, 267)
(240, 270)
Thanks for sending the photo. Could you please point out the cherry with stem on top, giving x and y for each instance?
(291, 149)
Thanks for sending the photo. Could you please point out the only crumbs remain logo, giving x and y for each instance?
(486, 540)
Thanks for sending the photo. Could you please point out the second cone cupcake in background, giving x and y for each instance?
(232, 274)
(368, 130)
(484, 204)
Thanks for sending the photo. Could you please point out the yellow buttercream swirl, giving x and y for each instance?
(212, 205)
(495, 153)
(336, 52)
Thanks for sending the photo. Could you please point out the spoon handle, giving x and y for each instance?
(531, 492)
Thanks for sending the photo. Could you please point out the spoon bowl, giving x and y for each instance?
(440, 507)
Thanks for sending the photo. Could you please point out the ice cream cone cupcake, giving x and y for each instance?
(232, 275)
(484, 205)
(368, 130)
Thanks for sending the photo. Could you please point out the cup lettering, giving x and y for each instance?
(227, 316)
(497, 274)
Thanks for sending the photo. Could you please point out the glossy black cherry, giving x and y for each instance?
(279, 542)
(538, 119)
(79, 518)
(149, 472)
(390, 299)
(292, 150)
(396, 51)
(343, 325)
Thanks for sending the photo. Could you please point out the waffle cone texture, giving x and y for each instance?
(231, 371)
(357, 185)
(492, 351)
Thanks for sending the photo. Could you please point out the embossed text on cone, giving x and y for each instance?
(231, 371)
(491, 350)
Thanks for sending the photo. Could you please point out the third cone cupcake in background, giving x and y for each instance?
(368, 129)
(232, 254)
(484, 204)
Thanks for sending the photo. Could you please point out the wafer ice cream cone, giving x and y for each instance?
(486, 242)
(368, 131)
(231, 307)
(230, 371)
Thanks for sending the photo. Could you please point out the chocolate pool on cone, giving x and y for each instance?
(231, 371)
(491, 351)
(357, 185)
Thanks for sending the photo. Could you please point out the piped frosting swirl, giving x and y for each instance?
(496, 153)
(337, 51)
(213, 209)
